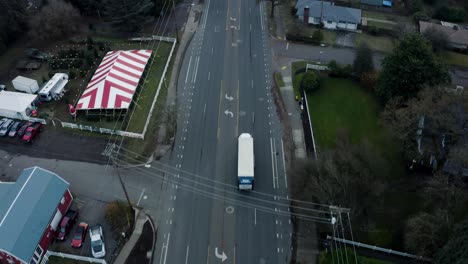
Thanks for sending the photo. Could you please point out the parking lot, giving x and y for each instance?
(54, 142)
(91, 212)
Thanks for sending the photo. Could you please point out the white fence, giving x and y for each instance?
(46, 256)
(385, 250)
(316, 67)
(150, 113)
(102, 130)
(33, 119)
(310, 125)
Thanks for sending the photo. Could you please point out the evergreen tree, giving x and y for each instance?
(410, 67)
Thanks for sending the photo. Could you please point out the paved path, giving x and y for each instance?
(294, 112)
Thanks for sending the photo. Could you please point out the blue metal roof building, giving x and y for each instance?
(26, 209)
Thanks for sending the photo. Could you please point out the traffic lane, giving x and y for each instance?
(204, 90)
(59, 143)
(326, 54)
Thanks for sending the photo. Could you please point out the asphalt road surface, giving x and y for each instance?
(224, 90)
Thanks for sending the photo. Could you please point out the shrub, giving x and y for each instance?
(450, 13)
(338, 71)
(373, 30)
(317, 37)
(89, 43)
(421, 16)
(119, 216)
(309, 82)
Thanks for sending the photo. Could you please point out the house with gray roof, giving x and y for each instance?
(331, 16)
(30, 211)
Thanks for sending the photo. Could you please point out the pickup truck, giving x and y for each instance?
(66, 224)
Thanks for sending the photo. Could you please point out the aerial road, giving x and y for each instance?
(224, 89)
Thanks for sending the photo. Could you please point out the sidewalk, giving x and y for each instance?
(188, 30)
(294, 113)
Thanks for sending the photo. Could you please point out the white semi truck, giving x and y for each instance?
(245, 162)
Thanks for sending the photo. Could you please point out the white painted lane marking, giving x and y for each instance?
(287, 45)
(141, 196)
(209, 74)
(186, 255)
(188, 69)
(272, 164)
(284, 165)
(255, 216)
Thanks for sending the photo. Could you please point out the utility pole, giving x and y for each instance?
(114, 163)
(175, 20)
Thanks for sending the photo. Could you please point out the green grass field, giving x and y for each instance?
(342, 104)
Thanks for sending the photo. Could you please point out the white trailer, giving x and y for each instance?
(245, 162)
(54, 88)
(26, 85)
(16, 105)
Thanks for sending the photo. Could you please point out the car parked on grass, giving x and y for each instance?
(6, 127)
(98, 248)
(80, 235)
(23, 128)
(31, 132)
(66, 224)
(14, 129)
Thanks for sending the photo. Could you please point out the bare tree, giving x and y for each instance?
(349, 176)
(443, 111)
(425, 233)
(55, 20)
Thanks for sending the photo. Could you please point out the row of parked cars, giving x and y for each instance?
(27, 131)
(98, 248)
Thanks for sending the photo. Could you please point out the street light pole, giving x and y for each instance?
(175, 20)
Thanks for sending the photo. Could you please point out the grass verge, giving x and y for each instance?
(279, 79)
(383, 44)
(454, 58)
(327, 257)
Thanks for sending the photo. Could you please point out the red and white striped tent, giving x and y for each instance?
(115, 80)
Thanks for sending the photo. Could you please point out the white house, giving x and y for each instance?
(332, 16)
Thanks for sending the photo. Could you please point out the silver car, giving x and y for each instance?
(6, 127)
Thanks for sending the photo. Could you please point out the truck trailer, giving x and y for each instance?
(26, 85)
(245, 162)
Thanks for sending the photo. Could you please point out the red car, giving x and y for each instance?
(23, 128)
(31, 132)
(66, 224)
(80, 235)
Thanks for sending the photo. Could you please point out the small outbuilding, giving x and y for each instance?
(16, 105)
(30, 211)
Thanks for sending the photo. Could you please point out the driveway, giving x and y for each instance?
(345, 39)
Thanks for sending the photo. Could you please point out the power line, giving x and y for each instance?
(352, 238)
(235, 194)
(225, 184)
(212, 195)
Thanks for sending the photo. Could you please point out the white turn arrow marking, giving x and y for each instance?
(227, 112)
(230, 98)
(223, 256)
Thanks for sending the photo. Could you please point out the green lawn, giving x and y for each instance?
(378, 43)
(454, 58)
(381, 25)
(342, 104)
(279, 79)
